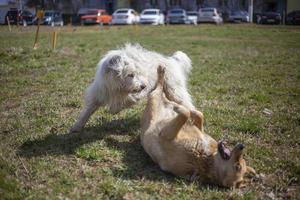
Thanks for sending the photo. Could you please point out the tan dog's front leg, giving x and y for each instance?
(172, 128)
(198, 119)
(156, 96)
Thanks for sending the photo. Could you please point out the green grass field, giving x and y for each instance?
(239, 71)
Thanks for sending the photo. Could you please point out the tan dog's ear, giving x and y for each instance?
(251, 170)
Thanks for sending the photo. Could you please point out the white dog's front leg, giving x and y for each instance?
(84, 116)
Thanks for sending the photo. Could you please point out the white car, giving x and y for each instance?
(192, 17)
(209, 15)
(152, 16)
(125, 16)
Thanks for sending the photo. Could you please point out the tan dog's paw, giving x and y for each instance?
(182, 110)
(195, 115)
(160, 75)
(161, 71)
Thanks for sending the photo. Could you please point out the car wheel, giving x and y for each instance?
(258, 20)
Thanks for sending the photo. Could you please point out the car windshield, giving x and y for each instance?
(25, 12)
(271, 13)
(122, 11)
(149, 13)
(92, 12)
(237, 13)
(47, 14)
(176, 11)
(12, 12)
(207, 10)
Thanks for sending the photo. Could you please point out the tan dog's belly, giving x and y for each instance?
(175, 155)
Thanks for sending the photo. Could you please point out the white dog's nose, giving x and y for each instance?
(143, 86)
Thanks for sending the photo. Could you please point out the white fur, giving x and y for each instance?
(126, 75)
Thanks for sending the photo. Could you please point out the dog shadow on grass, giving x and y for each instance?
(138, 164)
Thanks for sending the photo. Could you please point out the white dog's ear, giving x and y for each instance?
(112, 65)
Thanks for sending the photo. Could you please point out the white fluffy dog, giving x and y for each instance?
(126, 75)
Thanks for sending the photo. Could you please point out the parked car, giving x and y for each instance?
(177, 16)
(53, 18)
(20, 16)
(152, 16)
(239, 16)
(293, 18)
(192, 17)
(27, 18)
(269, 18)
(209, 15)
(13, 16)
(3, 12)
(125, 16)
(96, 16)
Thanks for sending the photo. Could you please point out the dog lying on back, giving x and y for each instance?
(173, 136)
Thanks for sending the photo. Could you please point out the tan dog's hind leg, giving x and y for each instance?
(198, 119)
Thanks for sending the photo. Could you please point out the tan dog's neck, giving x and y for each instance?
(208, 165)
(204, 154)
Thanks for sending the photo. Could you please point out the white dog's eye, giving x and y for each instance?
(130, 75)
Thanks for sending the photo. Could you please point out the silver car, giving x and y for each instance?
(192, 17)
(209, 15)
(53, 18)
(238, 16)
(177, 16)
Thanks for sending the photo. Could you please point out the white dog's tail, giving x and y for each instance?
(184, 60)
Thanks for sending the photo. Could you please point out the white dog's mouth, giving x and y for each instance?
(140, 89)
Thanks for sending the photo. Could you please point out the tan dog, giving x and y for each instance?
(173, 136)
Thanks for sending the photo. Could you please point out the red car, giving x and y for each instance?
(96, 16)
